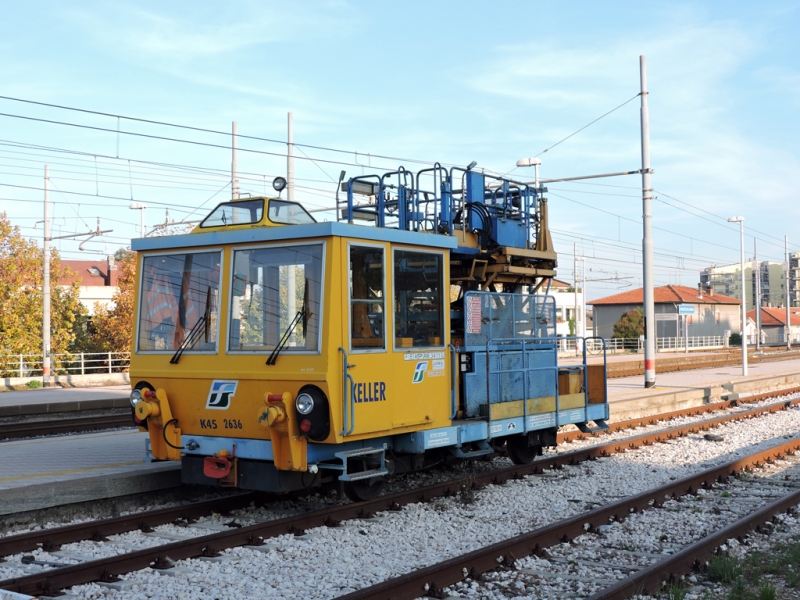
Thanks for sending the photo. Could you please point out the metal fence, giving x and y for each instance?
(620, 345)
(30, 365)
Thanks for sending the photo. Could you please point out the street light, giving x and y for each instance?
(740, 220)
(531, 162)
(140, 206)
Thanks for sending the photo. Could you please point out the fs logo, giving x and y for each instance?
(419, 372)
(219, 397)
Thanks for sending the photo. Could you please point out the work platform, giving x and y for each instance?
(46, 472)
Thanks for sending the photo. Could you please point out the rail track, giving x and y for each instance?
(616, 370)
(27, 429)
(431, 580)
(163, 556)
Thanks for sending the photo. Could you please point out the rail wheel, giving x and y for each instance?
(520, 452)
(364, 489)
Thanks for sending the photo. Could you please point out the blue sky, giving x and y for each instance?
(432, 81)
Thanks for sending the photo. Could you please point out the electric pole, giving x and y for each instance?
(46, 283)
(647, 241)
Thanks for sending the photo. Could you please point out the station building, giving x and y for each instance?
(714, 314)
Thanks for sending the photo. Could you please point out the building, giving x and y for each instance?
(727, 280)
(773, 325)
(97, 281)
(565, 298)
(714, 314)
(794, 279)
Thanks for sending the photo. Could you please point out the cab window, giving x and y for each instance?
(367, 308)
(273, 289)
(243, 212)
(418, 309)
(180, 293)
(288, 213)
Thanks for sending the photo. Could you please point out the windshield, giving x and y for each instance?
(244, 212)
(177, 291)
(288, 213)
(271, 285)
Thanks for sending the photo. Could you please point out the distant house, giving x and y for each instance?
(773, 325)
(565, 299)
(97, 281)
(714, 314)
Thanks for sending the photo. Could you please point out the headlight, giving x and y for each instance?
(136, 396)
(304, 404)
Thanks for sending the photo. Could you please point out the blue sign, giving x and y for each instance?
(686, 309)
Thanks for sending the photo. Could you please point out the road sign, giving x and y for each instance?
(686, 309)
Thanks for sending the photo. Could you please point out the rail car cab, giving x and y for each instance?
(275, 353)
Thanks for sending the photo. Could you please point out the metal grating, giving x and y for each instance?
(493, 315)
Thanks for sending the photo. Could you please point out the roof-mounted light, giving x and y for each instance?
(279, 184)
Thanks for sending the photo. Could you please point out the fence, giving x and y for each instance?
(664, 344)
(30, 365)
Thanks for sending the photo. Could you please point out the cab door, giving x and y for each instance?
(366, 324)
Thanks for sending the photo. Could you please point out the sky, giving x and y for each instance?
(373, 86)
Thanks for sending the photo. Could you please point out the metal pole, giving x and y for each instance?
(647, 241)
(744, 303)
(786, 288)
(757, 299)
(291, 274)
(46, 283)
(290, 161)
(234, 166)
(575, 277)
(141, 223)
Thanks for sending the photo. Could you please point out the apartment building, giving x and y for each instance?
(726, 280)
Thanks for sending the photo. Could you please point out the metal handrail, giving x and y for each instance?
(453, 371)
(351, 422)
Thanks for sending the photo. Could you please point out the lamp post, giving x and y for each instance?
(740, 220)
(141, 206)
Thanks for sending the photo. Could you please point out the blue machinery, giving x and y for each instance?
(500, 224)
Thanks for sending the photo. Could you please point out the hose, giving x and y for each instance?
(164, 434)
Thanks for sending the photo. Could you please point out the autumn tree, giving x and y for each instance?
(113, 328)
(630, 325)
(21, 313)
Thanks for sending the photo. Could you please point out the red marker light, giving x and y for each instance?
(305, 425)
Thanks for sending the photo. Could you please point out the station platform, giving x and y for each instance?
(55, 400)
(47, 472)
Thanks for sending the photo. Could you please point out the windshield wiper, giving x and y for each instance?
(300, 316)
(195, 332)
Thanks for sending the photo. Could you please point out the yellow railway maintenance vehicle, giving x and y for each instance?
(275, 353)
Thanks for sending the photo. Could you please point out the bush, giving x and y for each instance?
(34, 384)
(735, 339)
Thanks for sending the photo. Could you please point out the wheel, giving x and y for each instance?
(364, 489)
(519, 452)
(370, 488)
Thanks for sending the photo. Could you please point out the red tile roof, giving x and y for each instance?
(666, 294)
(774, 317)
(88, 273)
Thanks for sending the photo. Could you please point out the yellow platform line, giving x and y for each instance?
(68, 471)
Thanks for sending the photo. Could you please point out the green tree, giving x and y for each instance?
(630, 325)
(112, 329)
(21, 277)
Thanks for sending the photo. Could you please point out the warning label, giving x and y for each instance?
(473, 317)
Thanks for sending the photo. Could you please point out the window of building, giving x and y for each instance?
(367, 293)
(275, 290)
(179, 301)
(418, 299)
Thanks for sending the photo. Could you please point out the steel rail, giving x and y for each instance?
(569, 436)
(61, 426)
(108, 569)
(53, 539)
(651, 578)
(628, 369)
(430, 580)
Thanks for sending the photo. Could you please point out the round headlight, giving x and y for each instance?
(278, 184)
(304, 404)
(136, 396)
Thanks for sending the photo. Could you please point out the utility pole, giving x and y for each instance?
(757, 294)
(46, 283)
(234, 166)
(290, 160)
(647, 241)
(786, 288)
(575, 278)
(291, 274)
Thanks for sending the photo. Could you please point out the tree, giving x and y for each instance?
(630, 325)
(21, 277)
(113, 328)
